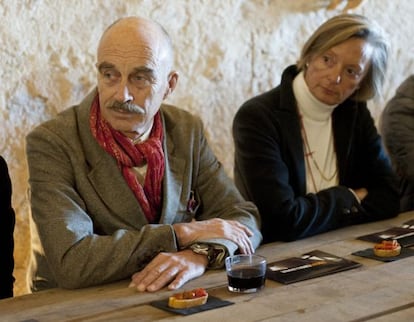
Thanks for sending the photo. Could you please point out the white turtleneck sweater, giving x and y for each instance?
(317, 129)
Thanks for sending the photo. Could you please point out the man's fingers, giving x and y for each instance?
(172, 269)
(166, 277)
(179, 281)
(245, 245)
(148, 275)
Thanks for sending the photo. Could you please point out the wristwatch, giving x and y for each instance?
(215, 253)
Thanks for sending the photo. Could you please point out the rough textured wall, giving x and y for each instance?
(226, 52)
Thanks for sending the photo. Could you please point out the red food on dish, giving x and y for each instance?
(387, 248)
(188, 299)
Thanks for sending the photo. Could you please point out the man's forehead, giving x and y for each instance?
(135, 41)
(130, 45)
(133, 31)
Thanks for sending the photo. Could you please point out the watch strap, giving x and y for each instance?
(215, 253)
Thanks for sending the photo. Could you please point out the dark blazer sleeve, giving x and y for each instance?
(397, 128)
(367, 165)
(7, 221)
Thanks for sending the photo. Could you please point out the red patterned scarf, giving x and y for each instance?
(129, 155)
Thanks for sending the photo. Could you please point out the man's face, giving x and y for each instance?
(334, 75)
(133, 79)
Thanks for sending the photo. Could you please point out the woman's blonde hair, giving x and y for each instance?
(341, 28)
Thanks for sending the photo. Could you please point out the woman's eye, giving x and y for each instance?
(352, 72)
(328, 60)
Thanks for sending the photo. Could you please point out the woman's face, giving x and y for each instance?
(334, 75)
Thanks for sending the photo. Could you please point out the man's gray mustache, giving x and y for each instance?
(127, 107)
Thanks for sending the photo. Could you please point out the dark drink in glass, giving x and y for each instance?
(246, 280)
(245, 273)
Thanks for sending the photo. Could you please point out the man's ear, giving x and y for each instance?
(172, 82)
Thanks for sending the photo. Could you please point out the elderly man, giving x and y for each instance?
(125, 186)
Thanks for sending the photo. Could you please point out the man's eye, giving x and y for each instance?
(141, 81)
(108, 74)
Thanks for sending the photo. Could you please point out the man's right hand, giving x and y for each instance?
(172, 269)
(188, 233)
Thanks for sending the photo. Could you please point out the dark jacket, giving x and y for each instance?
(7, 221)
(270, 168)
(398, 131)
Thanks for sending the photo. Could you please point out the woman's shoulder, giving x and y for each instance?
(263, 104)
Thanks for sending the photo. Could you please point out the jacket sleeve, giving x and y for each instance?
(397, 128)
(217, 193)
(269, 171)
(370, 167)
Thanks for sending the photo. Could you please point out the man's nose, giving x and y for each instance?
(123, 93)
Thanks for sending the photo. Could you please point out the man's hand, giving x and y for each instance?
(188, 233)
(173, 269)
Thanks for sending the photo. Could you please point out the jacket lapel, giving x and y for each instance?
(173, 177)
(343, 123)
(290, 123)
(295, 146)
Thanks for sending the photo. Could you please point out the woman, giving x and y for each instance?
(7, 221)
(307, 152)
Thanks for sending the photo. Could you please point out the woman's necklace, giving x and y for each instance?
(309, 154)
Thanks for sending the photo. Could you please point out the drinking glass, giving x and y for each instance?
(245, 273)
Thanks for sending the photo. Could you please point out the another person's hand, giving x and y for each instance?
(174, 269)
(361, 193)
(188, 233)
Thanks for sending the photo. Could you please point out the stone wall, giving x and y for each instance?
(226, 52)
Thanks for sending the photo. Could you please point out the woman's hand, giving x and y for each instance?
(361, 193)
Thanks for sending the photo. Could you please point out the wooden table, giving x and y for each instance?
(376, 291)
